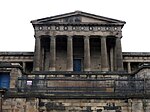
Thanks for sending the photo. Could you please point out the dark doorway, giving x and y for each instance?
(77, 65)
(4, 80)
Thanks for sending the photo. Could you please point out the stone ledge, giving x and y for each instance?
(136, 53)
(17, 53)
(81, 96)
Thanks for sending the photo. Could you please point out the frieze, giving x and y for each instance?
(77, 28)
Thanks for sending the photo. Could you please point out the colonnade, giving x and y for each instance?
(115, 54)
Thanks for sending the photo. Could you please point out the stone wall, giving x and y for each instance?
(118, 104)
(14, 74)
(20, 105)
(75, 105)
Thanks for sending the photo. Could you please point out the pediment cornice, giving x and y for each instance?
(78, 17)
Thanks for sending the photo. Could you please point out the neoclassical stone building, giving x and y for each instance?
(78, 41)
(77, 66)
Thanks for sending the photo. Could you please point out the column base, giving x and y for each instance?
(120, 69)
(105, 69)
(87, 69)
(69, 69)
(52, 69)
(37, 69)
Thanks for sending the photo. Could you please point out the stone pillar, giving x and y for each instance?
(87, 60)
(24, 66)
(37, 53)
(42, 58)
(52, 58)
(137, 105)
(104, 55)
(119, 60)
(129, 67)
(46, 60)
(112, 59)
(69, 54)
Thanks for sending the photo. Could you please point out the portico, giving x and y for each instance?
(95, 46)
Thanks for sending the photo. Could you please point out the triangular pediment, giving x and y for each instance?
(77, 17)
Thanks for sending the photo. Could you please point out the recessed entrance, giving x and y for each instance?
(4, 80)
(77, 65)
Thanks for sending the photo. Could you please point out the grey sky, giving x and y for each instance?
(17, 34)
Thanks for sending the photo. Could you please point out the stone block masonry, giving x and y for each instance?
(75, 105)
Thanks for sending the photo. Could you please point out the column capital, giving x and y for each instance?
(52, 36)
(37, 36)
(103, 36)
(118, 37)
(86, 36)
(119, 34)
(69, 36)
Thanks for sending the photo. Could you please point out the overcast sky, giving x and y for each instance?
(17, 34)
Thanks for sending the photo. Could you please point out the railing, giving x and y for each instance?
(83, 86)
(80, 84)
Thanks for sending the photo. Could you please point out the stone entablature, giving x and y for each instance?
(79, 33)
(136, 56)
(136, 53)
(80, 27)
(16, 56)
(136, 59)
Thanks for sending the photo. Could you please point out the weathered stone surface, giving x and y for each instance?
(20, 105)
(56, 51)
(75, 105)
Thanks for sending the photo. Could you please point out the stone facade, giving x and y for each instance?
(75, 105)
(131, 60)
(30, 103)
(77, 66)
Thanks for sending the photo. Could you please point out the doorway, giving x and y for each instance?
(77, 65)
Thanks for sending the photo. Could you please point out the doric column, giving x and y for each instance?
(119, 60)
(42, 58)
(87, 60)
(24, 66)
(37, 54)
(52, 58)
(112, 58)
(129, 67)
(104, 55)
(69, 54)
(46, 60)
